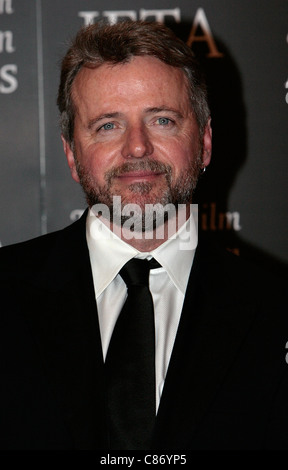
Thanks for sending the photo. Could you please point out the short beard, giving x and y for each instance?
(179, 191)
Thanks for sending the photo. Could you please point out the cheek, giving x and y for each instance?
(97, 170)
(92, 159)
(179, 157)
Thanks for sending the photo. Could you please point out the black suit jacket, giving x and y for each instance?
(226, 386)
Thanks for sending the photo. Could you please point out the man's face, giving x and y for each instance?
(135, 134)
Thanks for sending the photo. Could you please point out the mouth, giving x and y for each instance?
(146, 172)
(139, 176)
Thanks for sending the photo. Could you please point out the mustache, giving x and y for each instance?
(142, 165)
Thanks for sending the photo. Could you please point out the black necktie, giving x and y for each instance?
(130, 363)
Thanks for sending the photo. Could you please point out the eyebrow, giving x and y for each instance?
(94, 121)
(152, 110)
(165, 109)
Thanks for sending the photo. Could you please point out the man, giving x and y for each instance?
(136, 132)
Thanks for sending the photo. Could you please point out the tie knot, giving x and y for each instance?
(136, 271)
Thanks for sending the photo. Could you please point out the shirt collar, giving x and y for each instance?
(109, 253)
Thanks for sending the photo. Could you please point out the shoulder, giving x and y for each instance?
(238, 277)
(38, 251)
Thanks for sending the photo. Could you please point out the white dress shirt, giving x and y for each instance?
(108, 254)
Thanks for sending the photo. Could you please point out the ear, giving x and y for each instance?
(70, 159)
(207, 144)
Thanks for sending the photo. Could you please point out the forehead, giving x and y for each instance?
(141, 79)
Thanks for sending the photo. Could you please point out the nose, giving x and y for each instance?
(137, 143)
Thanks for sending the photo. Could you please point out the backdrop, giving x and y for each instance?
(243, 45)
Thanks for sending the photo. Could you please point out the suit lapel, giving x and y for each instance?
(66, 330)
(213, 324)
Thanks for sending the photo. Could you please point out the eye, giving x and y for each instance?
(163, 121)
(107, 127)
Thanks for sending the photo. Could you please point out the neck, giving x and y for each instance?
(149, 241)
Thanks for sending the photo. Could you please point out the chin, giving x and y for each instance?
(142, 194)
